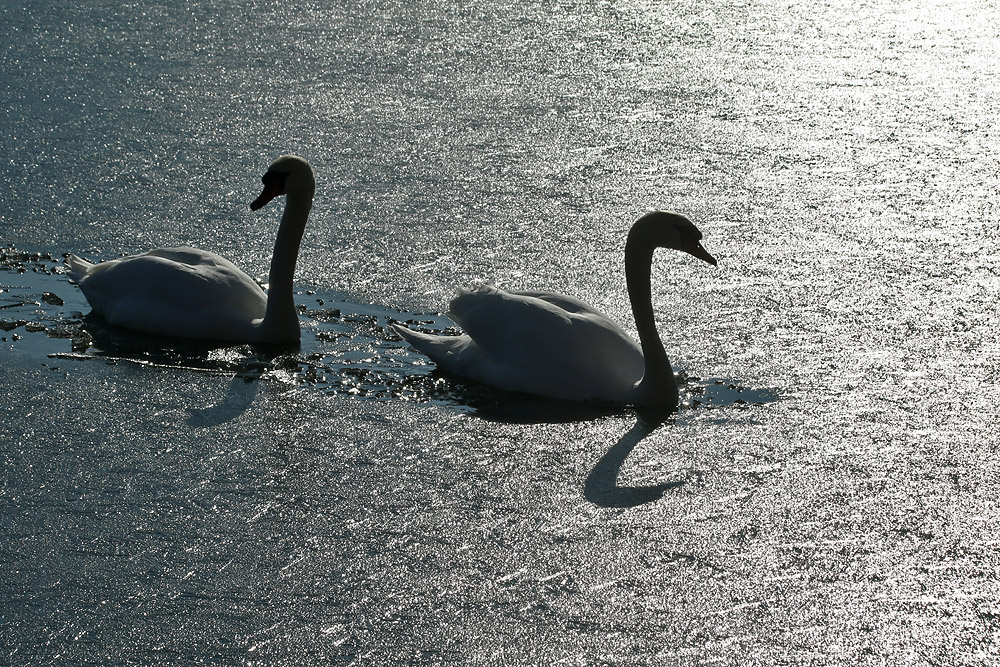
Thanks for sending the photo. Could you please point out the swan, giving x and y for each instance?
(191, 293)
(559, 347)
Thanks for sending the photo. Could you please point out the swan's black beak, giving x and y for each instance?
(695, 249)
(272, 189)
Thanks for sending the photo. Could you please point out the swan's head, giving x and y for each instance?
(288, 175)
(666, 229)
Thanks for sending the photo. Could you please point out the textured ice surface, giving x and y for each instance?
(199, 506)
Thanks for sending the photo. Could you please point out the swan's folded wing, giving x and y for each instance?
(197, 259)
(507, 324)
(567, 303)
(153, 293)
(538, 340)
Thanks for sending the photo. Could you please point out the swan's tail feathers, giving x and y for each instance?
(441, 349)
(403, 332)
(422, 341)
(78, 268)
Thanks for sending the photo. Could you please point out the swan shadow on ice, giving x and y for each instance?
(601, 486)
(240, 394)
(247, 363)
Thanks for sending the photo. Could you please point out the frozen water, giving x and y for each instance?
(827, 495)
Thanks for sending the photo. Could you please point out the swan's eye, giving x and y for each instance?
(275, 179)
(690, 234)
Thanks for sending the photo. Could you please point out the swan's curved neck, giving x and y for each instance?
(657, 385)
(280, 311)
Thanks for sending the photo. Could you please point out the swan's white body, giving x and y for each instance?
(557, 346)
(182, 292)
(535, 342)
(191, 293)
